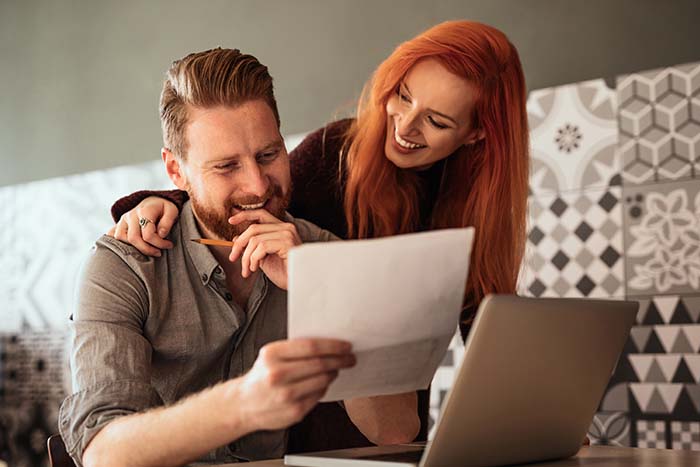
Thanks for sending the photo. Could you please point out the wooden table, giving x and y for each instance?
(598, 456)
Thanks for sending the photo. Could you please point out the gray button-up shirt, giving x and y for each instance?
(149, 331)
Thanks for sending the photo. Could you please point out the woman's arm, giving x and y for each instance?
(129, 202)
(147, 225)
(386, 419)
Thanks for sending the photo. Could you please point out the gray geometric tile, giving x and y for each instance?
(575, 246)
(443, 379)
(651, 434)
(584, 258)
(610, 429)
(662, 238)
(685, 435)
(659, 124)
(573, 134)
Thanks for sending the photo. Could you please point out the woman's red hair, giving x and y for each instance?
(484, 185)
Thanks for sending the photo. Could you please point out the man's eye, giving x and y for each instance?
(226, 166)
(268, 156)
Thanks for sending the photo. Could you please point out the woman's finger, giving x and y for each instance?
(135, 238)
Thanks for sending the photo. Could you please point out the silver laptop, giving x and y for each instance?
(533, 374)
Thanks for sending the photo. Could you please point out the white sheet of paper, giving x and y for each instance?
(397, 299)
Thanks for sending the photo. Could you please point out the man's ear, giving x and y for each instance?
(174, 168)
(475, 136)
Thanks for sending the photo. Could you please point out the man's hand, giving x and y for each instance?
(264, 245)
(288, 379)
(150, 238)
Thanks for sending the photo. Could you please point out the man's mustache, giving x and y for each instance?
(272, 192)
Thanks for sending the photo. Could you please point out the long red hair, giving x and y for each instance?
(484, 184)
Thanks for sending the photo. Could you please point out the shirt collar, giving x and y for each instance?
(203, 259)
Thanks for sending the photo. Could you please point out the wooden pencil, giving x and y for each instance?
(209, 241)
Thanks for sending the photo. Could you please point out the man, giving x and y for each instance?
(183, 357)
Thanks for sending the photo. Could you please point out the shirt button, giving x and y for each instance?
(218, 270)
(228, 296)
(204, 277)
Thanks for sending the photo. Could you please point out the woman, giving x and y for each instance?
(440, 141)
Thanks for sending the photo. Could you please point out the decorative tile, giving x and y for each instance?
(651, 434)
(50, 228)
(669, 309)
(666, 339)
(681, 401)
(34, 367)
(685, 435)
(610, 429)
(574, 246)
(666, 368)
(656, 398)
(573, 133)
(33, 382)
(442, 381)
(616, 398)
(27, 426)
(662, 238)
(659, 124)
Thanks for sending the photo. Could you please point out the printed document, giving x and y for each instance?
(396, 299)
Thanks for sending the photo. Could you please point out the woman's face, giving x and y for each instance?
(428, 116)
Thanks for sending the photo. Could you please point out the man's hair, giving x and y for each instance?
(208, 79)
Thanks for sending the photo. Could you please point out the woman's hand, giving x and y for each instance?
(159, 216)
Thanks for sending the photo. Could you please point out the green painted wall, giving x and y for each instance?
(79, 80)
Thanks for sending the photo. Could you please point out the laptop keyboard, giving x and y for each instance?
(409, 456)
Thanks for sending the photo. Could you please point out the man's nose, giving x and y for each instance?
(254, 181)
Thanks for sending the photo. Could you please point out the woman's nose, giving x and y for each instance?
(407, 122)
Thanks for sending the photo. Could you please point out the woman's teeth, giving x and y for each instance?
(406, 144)
(248, 207)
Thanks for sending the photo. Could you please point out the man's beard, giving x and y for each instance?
(216, 221)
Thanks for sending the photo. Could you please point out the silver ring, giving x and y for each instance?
(143, 222)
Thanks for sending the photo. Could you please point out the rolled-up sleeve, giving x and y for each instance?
(85, 413)
(110, 357)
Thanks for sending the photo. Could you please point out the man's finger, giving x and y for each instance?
(293, 349)
(315, 384)
(261, 216)
(298, 370)
(241, 241)
(111, 231)
(274, 245)
(261, 246)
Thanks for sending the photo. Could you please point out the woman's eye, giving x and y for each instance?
(436, 124)
(402, 96)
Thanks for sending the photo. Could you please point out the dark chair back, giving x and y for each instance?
(58, 456)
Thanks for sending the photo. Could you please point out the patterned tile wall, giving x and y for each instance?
(645, 246)
(614, 213)
(659, 147)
